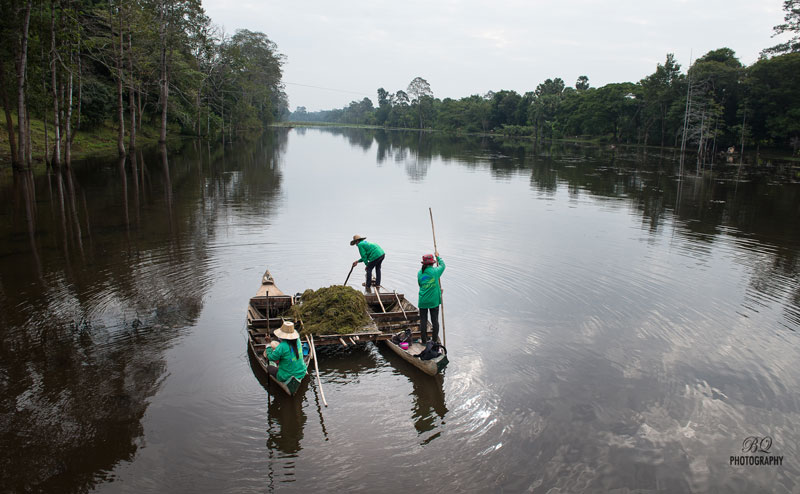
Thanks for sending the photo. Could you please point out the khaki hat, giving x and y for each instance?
(287, 332)
(357, 238)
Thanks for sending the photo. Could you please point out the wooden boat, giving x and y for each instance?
(393, 313)
(264, 316)
(430, 367)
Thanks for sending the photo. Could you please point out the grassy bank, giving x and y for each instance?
(101, 141)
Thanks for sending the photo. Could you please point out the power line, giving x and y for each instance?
(325, 88)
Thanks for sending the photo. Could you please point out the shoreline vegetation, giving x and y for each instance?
(102, 74)
(717, 105)
(85, 78)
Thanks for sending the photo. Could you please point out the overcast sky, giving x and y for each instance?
(464, 47)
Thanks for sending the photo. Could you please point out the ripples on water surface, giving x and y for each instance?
(609, 326)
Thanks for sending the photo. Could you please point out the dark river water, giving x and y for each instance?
(609, 327)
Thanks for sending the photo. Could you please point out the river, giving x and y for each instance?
(609, 326)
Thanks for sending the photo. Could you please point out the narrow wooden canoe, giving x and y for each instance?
(392, 312)
(430, 367)
(264, 316)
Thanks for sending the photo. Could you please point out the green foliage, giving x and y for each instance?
(97, 102)
(791, 25)
(649, 112)
(336, 309)
(773, 108)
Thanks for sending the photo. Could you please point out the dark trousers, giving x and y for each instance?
(377, 265)
(423, 323)
(273, 370)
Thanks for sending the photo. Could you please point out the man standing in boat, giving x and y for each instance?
(288, 353)
(372, 256)
(430, 294)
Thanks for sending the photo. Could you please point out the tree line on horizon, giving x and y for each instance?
(716, 104)
(75, 64)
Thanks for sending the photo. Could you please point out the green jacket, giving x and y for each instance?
(430, 292)
(369, 251)
(288, 364)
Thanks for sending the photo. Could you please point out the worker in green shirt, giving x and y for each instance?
(372, 256)
(286, 353)
(430, 294)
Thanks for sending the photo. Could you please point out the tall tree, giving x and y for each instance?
(21, 63)
(420, 91)
(791, 17)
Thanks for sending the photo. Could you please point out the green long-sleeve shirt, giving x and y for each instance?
(430, 292)
(369, 251)
(288, 364)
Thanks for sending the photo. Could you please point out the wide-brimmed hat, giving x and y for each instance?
(287, 332)
(428, 259)
(357, 238)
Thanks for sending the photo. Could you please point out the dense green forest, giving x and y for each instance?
(75, 64)
(716, 104)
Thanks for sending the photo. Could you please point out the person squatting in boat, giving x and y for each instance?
(287, 353)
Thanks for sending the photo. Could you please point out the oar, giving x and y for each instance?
(316, 367)
(441, 290)
(348, 274)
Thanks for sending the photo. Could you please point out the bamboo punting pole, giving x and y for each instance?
(316, 367)
(378, 293)
(441, 290)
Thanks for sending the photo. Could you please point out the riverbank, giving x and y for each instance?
(98, 142)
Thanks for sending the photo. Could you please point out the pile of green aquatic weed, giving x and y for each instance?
(336, 309)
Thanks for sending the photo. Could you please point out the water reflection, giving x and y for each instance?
(729, 202)
(285, 416)
(91, 300)
(637, 321)
(428, 396)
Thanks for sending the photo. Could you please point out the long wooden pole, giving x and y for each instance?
(441, 290)
(348, 275)
(378, 294)
(400, 304)
(316, 367)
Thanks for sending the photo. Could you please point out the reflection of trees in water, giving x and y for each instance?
(757, 204)
(362, 138)
(102, 268)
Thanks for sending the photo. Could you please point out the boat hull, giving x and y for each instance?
(430, 367)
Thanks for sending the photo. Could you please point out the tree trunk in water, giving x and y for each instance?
(132, 94)
(80, 88)
(140, 106)
(28, 143)
(44, 102)
(12, 138)
(164, 86)
(54, 82)
(68, 120)
(120, 108)
(22, 61)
